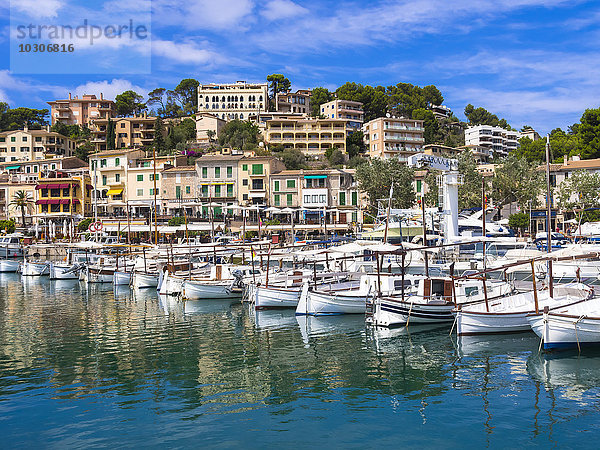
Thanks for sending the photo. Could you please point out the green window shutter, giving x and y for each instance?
(419, 185)
(104, 180)
(257, 169)
(205, 172)
(291, 184)
(117, 162)
(342, 198)
(140, 177)
(117, 177)
(204, 190)
(230, 190)
(217, 190)
(229, 172)
(245, 167)
(354, 198)
(217, 172)
(289, 199)
(276, 185)
(277, 200)
(354, 217)
(188, 190)
(178, 191)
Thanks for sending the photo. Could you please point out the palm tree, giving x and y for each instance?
(22, 201)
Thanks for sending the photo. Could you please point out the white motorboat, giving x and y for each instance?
(97, 274)
(9, 265)
(33, 269)
(60, 271)
(10, 246)
(431, 300)
(143, 280)
(275, 297)
(217, 289)
(572, 326)
(121, 278)
(509, 314)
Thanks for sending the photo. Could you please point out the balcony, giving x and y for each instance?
(63, 107)
(404, 138)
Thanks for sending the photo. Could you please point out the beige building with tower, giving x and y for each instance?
(233, 101)
(312, 136)
(27, 145)
(394, 137)
(81, 111)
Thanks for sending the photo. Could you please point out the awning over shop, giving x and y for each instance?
(41, 186)
(114, 191)
(54, 201)
(312, 177)
(13, 167)
(41, 202)
(64, 201)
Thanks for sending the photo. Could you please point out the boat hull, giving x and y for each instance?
(144, 281)
(197, 290)
(320, 304)
(31, 269)
(121, 278)
(9, 266)
(63, 272)
(171, 285)
(390, 312)
(273, 298)
(565, 332)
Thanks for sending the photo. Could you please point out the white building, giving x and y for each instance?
(345, 109)
(233, 101)
(496, 139)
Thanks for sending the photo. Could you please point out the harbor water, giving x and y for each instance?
(91, 366)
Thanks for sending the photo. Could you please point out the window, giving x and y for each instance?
(103, 163)
(276, 184)
(151, 191)
(307, 199)
(322, 198)
(289, 199)
(117, 162)
(13, 139)
(104, 180)
(419, 185)
(217, 172)
(291, 184)
(66, 207)
(204, 190)
(140, 178)
(342, 198)
(257, 185)
(24, 149)
(229, 172)
(276, 199)
(354, 199)
(152, 177)
(65, 192)
(122, 124)
(13, 149)
(230, 190)
(178, 191)
(205, 172)
(245, 182)
(245, 167)
(257, 169)
(117, 177)
(217, 190)
(188, 190)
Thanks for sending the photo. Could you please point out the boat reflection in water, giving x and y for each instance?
(571, 376)
(272, 319)
(314, 327)
(206, 306)
(121, 292)
(496, 344)
(170, 304)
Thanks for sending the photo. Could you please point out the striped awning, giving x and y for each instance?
(41, 186)
(114, 191)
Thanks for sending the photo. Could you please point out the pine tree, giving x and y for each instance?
(159, 138)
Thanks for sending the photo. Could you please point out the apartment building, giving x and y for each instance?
(498, 140)
(81, 111)
(179, 187)
(26, 145)
(480, 154)
(348, 110)
(293, 102)
(393, 137)
(312, 136)
(440, 112)
(233, 101)
(130, 132)
(253, 179)
(530, 133)
(218, 181)
(64, 195)
(286, 189)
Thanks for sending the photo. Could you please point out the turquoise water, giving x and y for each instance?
(93, 367)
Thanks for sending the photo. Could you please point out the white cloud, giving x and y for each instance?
(282, 9)
(227, 15)
(10, 85)
(108, 88)
(185, 52)
(38, 9)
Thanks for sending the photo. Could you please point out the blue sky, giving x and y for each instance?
(535, 62)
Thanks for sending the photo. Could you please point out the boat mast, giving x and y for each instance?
(387, 221)
(155, 206)
(549, 217)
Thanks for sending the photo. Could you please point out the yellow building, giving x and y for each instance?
(254, 173)
(312, 136)
(64, 196)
